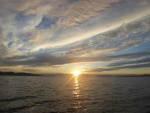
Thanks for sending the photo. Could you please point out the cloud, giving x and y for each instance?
(81, 11)
(22, 20)
(111, 41)
(128, 62)
(46, 59)
(121, 67)
(121, 38)
(54, 33)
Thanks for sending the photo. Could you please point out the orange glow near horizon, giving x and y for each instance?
(76, 73)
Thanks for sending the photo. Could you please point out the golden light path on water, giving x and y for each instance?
(76, 105)
(76, 86)
(75, 73)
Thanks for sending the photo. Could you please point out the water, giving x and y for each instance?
(83, 94)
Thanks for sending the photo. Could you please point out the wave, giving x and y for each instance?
(17, 98)
(11, 110)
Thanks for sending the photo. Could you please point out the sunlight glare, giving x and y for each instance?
(76, 73)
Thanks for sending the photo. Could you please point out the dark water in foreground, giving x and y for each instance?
(85, 94)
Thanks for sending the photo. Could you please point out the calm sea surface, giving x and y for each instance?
(83, 94)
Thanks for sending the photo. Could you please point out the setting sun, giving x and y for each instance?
(76, 73)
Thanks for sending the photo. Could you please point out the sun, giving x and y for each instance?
(76, 73)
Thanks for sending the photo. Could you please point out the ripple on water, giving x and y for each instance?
(86, 95)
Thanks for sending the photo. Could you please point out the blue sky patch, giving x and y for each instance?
(46, 23)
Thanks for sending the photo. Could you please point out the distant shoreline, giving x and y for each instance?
(99, 75)
(129, 75)
(18, 74)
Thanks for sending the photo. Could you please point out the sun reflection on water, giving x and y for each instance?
(76, 87)
(76, 83)
(76, 105)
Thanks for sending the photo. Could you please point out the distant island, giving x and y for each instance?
(18, 74)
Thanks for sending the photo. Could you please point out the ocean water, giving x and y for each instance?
(83, 94)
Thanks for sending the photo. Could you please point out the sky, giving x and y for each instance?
(60, 36)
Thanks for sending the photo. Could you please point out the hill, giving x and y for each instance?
(17, 74)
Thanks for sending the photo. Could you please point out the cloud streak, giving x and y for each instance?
(121, 67)
(50, 60)
(57, 33)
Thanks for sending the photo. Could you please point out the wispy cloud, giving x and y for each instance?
(50, 60)
(128, 62)
(121, 67)
(54, 33)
